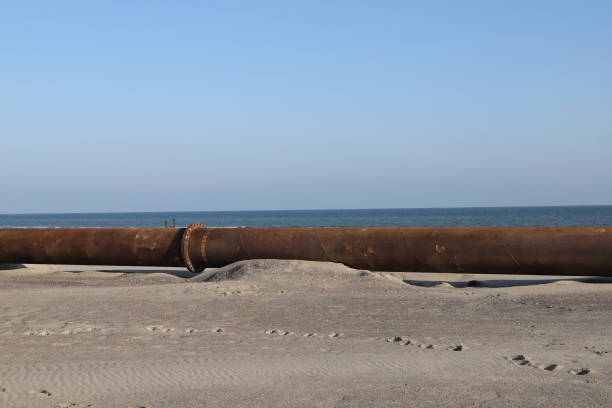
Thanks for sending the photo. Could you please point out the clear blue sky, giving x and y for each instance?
(175, 105)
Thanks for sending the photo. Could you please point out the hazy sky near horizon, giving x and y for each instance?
(150, 105)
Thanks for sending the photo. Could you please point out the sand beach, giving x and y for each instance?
(293, 333)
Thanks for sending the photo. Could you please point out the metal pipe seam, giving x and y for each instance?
(193, 247)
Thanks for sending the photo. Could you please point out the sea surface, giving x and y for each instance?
(408, 217)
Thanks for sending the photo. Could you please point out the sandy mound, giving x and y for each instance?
(276, 269)
(266, 272)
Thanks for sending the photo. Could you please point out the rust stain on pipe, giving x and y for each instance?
(512, 250)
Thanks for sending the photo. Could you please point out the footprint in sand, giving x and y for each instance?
(80, 330)
(40, 332)
(161, 329)
(522, 360)
(404, 341)
(42, 393)
(548, 367)
(519, 359)
(581, 371)
(277, 332)
(427, 346)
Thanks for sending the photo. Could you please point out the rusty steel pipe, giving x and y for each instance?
(92, 246)
(585, 251)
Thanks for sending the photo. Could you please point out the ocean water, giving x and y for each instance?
(409, 217)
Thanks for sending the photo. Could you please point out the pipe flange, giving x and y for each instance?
(186, 246)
